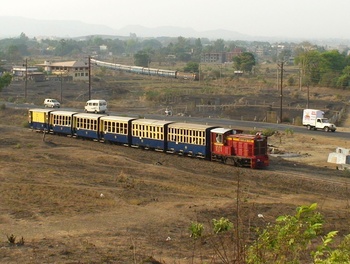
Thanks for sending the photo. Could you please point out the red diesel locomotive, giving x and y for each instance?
(239, 149)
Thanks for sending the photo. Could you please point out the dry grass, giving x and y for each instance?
(51, 190)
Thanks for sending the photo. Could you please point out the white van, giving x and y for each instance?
(96, 106)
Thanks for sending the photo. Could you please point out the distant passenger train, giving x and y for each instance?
(210, 142)
(147, 71)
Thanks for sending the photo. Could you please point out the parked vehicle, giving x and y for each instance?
(96, 106)
(314, 119)
(52, 103)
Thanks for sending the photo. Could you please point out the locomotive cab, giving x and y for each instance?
(220, 145)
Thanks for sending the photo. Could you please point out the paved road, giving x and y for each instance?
(246, 125)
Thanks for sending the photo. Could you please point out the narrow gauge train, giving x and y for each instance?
(146, 71)
(209, 142)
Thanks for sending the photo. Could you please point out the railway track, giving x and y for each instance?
(325, 177)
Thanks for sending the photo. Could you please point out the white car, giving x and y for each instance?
(52, 103)
(96, 106)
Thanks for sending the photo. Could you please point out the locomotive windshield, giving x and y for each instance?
(260, 147)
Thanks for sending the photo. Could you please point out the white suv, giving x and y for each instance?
(52, 103)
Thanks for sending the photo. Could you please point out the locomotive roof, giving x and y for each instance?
(190, 126)
(221, 130)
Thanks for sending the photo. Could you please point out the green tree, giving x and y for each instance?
(191, 67)
(311, 64)
(142, 58)
(5, 80)
(219, 45)
(244, 61)
(344, 79)
(13, 53)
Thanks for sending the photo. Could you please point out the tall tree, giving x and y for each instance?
(219, 45)
(5, 80)
(142, 58)
(244, 61)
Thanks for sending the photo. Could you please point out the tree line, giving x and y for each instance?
(318, 66)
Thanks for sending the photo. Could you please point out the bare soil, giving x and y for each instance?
(79, 201)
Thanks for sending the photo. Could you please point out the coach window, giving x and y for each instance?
(90, 124)
(182, 136)
(161, 134)
(156, 132)
(124, 129)
(153, 134)
(138, 130)
(81, 122)
(142, 131)
(150, 131)
(119, 128)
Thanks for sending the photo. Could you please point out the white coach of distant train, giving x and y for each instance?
(145, 70)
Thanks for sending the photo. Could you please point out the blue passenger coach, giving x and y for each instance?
(86, 125)
(61, 122)
(116, 129)
(149, 133)
(189, 139)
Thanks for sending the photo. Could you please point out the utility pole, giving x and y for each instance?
(89, 77)
(61, 86)
(26, 81)
(281, 90)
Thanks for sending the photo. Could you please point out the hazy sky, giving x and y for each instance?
(288, 18)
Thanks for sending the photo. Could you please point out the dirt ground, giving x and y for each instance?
(76, 201)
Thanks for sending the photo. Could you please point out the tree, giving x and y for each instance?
(13, 53)
(344, 79)
(142, 59)
(5, 80)
(219, 45)
(191, 67)
(311, 64)
(244, 61)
